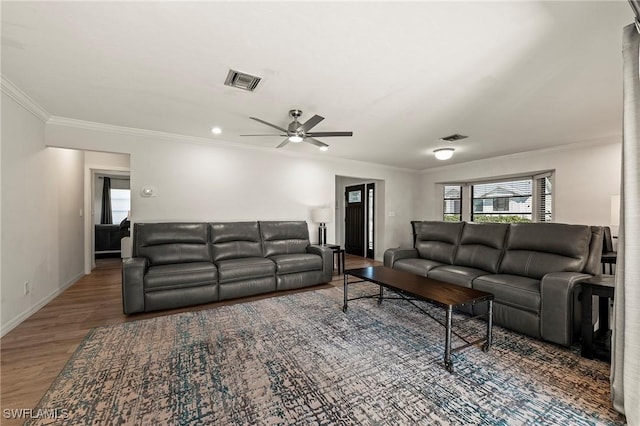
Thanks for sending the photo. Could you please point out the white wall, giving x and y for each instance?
(586, 177)
(218, 181)
(42, 232)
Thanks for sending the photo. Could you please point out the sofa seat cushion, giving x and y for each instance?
(416, 265)
(180, 275)
(245, 268)
(511, 290)
(297, 262)
(460, 275)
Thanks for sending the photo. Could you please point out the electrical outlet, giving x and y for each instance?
(27, 287)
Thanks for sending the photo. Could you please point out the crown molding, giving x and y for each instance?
(611, 140)
(153, 134)
(128, 131)
(23, 99)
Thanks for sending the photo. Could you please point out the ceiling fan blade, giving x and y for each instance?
(264, 135)
(269, 124)
(325, 134)
(283, 143)
(315, 142)
(313, 121)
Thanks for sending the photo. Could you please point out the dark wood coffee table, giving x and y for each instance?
(439, 293)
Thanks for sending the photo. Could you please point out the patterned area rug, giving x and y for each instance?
(297, 359)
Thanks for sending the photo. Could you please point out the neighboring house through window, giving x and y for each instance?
(520, 199)
(452, 211)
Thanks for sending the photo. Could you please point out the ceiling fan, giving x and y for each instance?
(299, 132)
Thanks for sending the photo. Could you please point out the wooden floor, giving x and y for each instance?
(34, 353)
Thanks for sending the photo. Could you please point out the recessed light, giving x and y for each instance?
(324, 148)
(216, 130)
(443, 153)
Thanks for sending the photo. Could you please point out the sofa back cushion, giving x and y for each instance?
(233, 240)
(283, 237)
(166, 243)
(535, 249)
(482, 245)
(439, 240)
(595, 251)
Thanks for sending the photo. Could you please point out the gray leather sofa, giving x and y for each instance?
(182, 264)
(531, 268)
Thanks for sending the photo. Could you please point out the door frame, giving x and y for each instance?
(343, 181)
(370, 252)
(361, 220)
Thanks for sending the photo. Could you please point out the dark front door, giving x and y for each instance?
(354, 220)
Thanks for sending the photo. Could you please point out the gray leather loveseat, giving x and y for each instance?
(182, 264)
(531, 268)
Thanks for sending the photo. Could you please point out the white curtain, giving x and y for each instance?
(625, 364)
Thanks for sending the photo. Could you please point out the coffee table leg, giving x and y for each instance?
(380, 296)
(489, 341)
(448, 364)
(344, 306)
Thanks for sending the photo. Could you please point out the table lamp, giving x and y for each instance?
(322, 215)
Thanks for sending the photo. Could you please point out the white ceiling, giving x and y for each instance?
(514, 76)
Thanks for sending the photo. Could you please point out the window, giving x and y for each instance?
(544, 186)
(520, 199)
(501, 204)
(508, 201)
(120, 204)
(452, 203)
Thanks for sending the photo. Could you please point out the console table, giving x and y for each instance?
(603, 287)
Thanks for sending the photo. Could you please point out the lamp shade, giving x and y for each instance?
(615, 210)
(322, 215)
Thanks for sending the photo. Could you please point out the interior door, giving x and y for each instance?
(354, 222)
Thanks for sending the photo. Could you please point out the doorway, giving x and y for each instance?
(117, 168)
(354, 218)
(358, 202)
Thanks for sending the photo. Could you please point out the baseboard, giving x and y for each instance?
(35, 308)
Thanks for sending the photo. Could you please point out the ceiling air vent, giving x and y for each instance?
(452, 138)
(242, 81)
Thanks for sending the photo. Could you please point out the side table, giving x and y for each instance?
(339, 253)
(601, 286)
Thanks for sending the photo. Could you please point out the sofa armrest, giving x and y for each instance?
(393, 254)
(557, 306)
(133, 270)
(327, 260)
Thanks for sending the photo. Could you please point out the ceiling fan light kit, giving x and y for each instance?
(298, 132)
(443, 153)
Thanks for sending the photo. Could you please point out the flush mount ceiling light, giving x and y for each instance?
(443, 153)
(216, 130)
